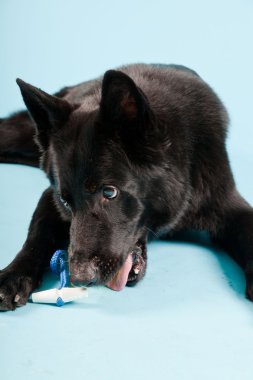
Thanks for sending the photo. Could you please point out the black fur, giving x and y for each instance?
(154, 132)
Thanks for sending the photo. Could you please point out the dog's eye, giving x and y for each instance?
(65, 204)
(110, 192)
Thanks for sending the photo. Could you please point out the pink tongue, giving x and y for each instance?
(120, 279)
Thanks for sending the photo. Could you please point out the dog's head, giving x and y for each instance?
(102, 157)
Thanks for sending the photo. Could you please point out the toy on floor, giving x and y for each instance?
(64, 293)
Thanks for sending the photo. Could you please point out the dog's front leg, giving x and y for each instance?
(47, 232)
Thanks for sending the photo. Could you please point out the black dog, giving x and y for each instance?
(141, 149)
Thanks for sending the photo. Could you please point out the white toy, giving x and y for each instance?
(59, 296)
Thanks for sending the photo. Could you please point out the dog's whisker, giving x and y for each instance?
(152, 232)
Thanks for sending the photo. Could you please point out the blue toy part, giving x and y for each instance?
(65, 293)
(60, 302)
(57, 265)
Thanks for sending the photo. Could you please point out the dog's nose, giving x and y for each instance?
(83, 272)
(80, 281)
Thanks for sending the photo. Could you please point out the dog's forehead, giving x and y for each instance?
(75, 138)
(85, 157)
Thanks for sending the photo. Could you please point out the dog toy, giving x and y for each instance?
(64, 293)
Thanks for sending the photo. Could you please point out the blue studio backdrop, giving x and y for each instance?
(188, 319)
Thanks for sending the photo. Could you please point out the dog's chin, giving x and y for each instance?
(132, 271)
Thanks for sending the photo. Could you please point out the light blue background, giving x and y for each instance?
(188, 319)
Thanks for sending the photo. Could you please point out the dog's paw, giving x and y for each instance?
(249, 285)
(15, 289)
(249, 292)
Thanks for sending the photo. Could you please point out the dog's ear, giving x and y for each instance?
(49, 112)
(121, 99)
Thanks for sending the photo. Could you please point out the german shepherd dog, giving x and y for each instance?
(139, 150)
